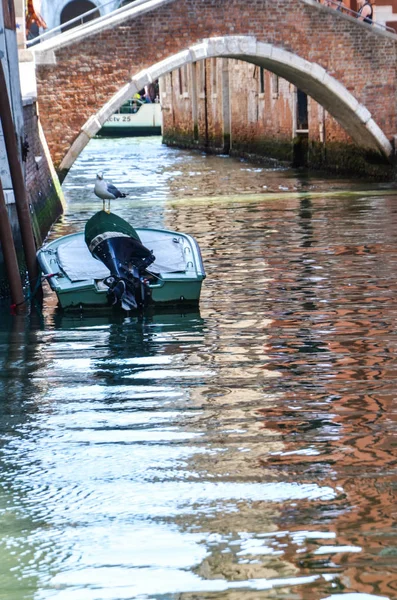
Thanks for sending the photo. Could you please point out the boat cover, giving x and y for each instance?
(79, 265)
(77, 262)
(167, 249)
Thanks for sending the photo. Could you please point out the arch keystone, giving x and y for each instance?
(233, 44)
(216, 46)
(199, 51)
(264, 50)
(248, 45)
(141, 79)
(237, 44)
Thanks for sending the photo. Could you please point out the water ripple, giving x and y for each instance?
(242, 451)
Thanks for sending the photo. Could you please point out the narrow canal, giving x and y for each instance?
(243, 451)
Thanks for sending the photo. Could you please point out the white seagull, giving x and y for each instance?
(106, 191)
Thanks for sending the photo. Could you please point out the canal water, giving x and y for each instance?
(245, 450)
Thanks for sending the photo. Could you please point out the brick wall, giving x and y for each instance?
(264, 122)
(42, 185)
(262, 112)
(262, 109)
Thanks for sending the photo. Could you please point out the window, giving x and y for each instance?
(202, 76)
(275, 86)
(180, 82)
(213, 71)
(261, 80)
(183, 80)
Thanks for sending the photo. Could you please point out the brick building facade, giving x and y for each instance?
(230, 106)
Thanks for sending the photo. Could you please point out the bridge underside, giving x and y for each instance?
(308, 77)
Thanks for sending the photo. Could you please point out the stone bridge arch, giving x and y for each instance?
(309, 77)
(346, 66)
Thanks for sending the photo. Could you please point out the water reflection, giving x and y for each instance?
(243, 451)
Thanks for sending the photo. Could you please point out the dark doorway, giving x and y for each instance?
(75, 9)
(301, 111)
(302, 121)
(301, 141)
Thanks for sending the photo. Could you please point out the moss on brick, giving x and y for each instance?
(264, 151)
(348, 159)
(46, 213)
(174, 137)
(272, 148)
(335, 157)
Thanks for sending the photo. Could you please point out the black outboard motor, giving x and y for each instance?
(116, 243)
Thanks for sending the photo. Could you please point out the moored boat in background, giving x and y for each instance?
(134, 118)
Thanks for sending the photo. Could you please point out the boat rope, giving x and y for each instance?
(30, 295)
(153, 275)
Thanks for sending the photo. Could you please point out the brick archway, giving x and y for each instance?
(345, 65)
(76, 8)
(309, 77)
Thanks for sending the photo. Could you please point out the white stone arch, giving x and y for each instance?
(309, 77)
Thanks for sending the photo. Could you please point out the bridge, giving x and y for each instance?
(347, 66)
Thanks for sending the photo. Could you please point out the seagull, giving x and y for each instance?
(106, 191)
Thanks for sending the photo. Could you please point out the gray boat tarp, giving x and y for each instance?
(79, 265)
(168, 250)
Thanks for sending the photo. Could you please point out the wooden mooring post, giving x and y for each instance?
(18, 184)
(10, 257)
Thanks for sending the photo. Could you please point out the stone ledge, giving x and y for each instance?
(9, 196)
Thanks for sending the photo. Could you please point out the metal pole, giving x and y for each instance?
(18, 183)
(10, 256)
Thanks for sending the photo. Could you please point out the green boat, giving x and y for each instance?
(113, 265)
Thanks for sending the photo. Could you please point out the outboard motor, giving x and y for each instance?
(115, 242)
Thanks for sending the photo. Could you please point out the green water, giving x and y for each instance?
(242, 451)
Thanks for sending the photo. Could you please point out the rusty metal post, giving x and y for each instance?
(10, 256)
(18, 183)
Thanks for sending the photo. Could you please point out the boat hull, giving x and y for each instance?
(126, 131)
(178, 288)
(171, 293)
(146, 121)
